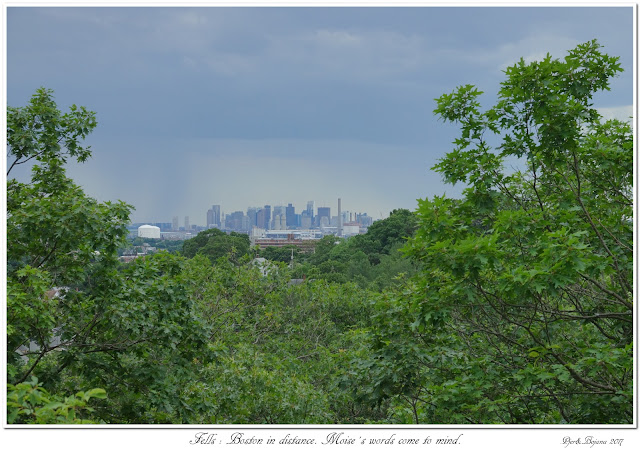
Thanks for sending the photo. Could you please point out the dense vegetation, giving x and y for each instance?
(512, 304)
(371, 260)
(523, 311)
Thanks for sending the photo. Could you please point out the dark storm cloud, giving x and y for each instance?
(301, 100)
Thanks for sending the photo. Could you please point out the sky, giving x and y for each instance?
(251, 106)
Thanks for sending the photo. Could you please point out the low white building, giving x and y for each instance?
(148, 231)
(350, 229)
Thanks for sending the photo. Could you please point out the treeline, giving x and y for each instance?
(512, 304)
(371, 260)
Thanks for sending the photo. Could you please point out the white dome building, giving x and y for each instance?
(148, 231)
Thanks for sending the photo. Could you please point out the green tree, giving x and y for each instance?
(282, 254)
(323, 248)
(215, 243)
(41, 132)
(523, 311)
(371, 260)
(28, 402)
(75, 319)
(383, 235)
(280, 349)
(55, 234)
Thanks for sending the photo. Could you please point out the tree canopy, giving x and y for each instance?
(371, 260)
(75, 318)
(214, 244)
(523, 311)
(511, 304)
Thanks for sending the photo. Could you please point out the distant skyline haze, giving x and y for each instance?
(242, 107)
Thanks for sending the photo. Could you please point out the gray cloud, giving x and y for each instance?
(247, 106)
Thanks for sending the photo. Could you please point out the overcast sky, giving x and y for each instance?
(251, 106)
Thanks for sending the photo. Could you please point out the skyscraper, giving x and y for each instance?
(237, 221)
(309, 210)
(339, 217)
(278, 212)
(267, 216)
(290, 213)
(217, 215)
(214, 216)
(305, 220)
(260, 222)
(187, 227)
(323, 212)
(175, 224)
(252, 214)
(209, 222)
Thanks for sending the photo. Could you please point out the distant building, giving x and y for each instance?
(214, 217)
(310, 234)
(261, 219)
(306, 221)
(323, 212)
(305, 240)
(187, 227)
(176, 235)
(149, 231)
(176, 226)
(339, 217)
(364, 220)
(278, 218)
(237, 221)
(279, 222)
(290, 215)
(164, 226)
(252, 214)
(257, 232)
(278, 210)
(267, 216)
(282, 217)
(350, 229)
(309, 210)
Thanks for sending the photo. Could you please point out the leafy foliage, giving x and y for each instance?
(215, 243)
(513, 306)
(40, 131)
(371, 260)
(75, 317)
(523, 311)
(278, 347)
(281, 254)
(28, 402)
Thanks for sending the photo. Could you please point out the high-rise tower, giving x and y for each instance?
(323, 212)
(339, 217)
(290, 215)
(310, 206)
(217, 215)
(214, 217)
(267, 216)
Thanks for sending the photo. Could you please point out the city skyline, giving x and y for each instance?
(217, 215)
(255, 106)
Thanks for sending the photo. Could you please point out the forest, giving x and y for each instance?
(512, 304)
